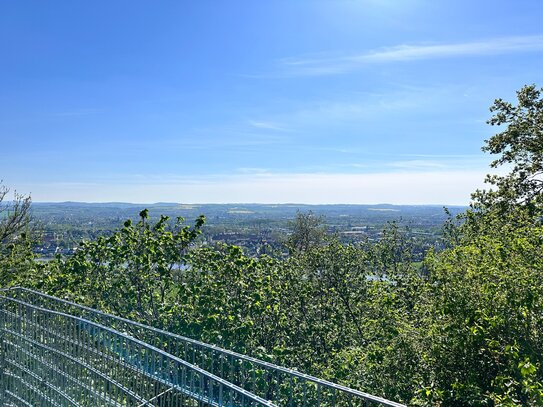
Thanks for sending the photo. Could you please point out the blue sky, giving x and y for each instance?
(317, 101)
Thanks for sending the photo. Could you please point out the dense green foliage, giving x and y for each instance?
(484, 313)
(132, 272)
(462, 329)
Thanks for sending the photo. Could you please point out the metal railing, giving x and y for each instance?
(249, 378)
(50, 358)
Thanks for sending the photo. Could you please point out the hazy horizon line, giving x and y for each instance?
(244, 203)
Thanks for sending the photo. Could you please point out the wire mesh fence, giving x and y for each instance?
(108, 360)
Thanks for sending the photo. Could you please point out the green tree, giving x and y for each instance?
(481, 315)
(228, 298)
(14, 214)
(15, 237)
(520, 148)
(481, 310)
(350, 309)
(131, 273)
(307, 230)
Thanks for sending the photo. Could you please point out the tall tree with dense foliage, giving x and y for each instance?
(520, 148)
(482, 307)
(482, 312)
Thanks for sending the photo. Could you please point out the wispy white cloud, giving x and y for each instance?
(252, 170)
(267, 125)
(75, 113)
(418, 164)
(322, 65)
(225, 138)
(378, 107)
(421, 163)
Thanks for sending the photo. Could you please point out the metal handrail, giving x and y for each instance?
(29, 333)
(282, 385)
